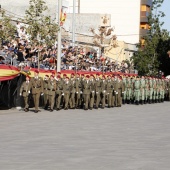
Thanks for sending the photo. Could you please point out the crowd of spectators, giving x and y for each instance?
(20, 52)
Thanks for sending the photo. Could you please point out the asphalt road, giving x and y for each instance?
(127, 138)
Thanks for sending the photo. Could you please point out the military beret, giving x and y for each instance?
(36, 71)
(53, 73)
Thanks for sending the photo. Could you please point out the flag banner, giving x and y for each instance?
(8, 72)
(63, 15)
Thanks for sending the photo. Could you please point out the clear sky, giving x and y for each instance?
(166, 9)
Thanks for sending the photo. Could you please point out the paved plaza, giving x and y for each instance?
(127, 138)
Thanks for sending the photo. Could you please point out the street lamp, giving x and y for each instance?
(59, 37)
(73, 23)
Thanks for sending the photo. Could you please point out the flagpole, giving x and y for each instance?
(59, 37)
(73, 22)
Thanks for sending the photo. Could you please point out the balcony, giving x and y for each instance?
(146, 2)
(143, 32)
(144, 13)
(144, 19)
(144, 16)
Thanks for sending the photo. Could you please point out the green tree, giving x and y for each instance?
(146, 59)
(41, 27)
(163, 57)
(7, 28)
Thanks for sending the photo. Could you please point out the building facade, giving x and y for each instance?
(145, 10)
(128, 17)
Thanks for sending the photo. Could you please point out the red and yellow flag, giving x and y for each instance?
(62, 17)
(8, 72)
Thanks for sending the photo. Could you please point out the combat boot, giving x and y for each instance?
(26, 110)
(123, 101)
(46, 107)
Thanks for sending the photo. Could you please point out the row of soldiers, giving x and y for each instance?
(146, 90)
(91, 91)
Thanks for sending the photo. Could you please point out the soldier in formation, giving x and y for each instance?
(146, 90)
(93, 91)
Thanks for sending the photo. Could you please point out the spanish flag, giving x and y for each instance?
(8, 72)
(62, 17)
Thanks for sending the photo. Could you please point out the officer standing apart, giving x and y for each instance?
(25, 92)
